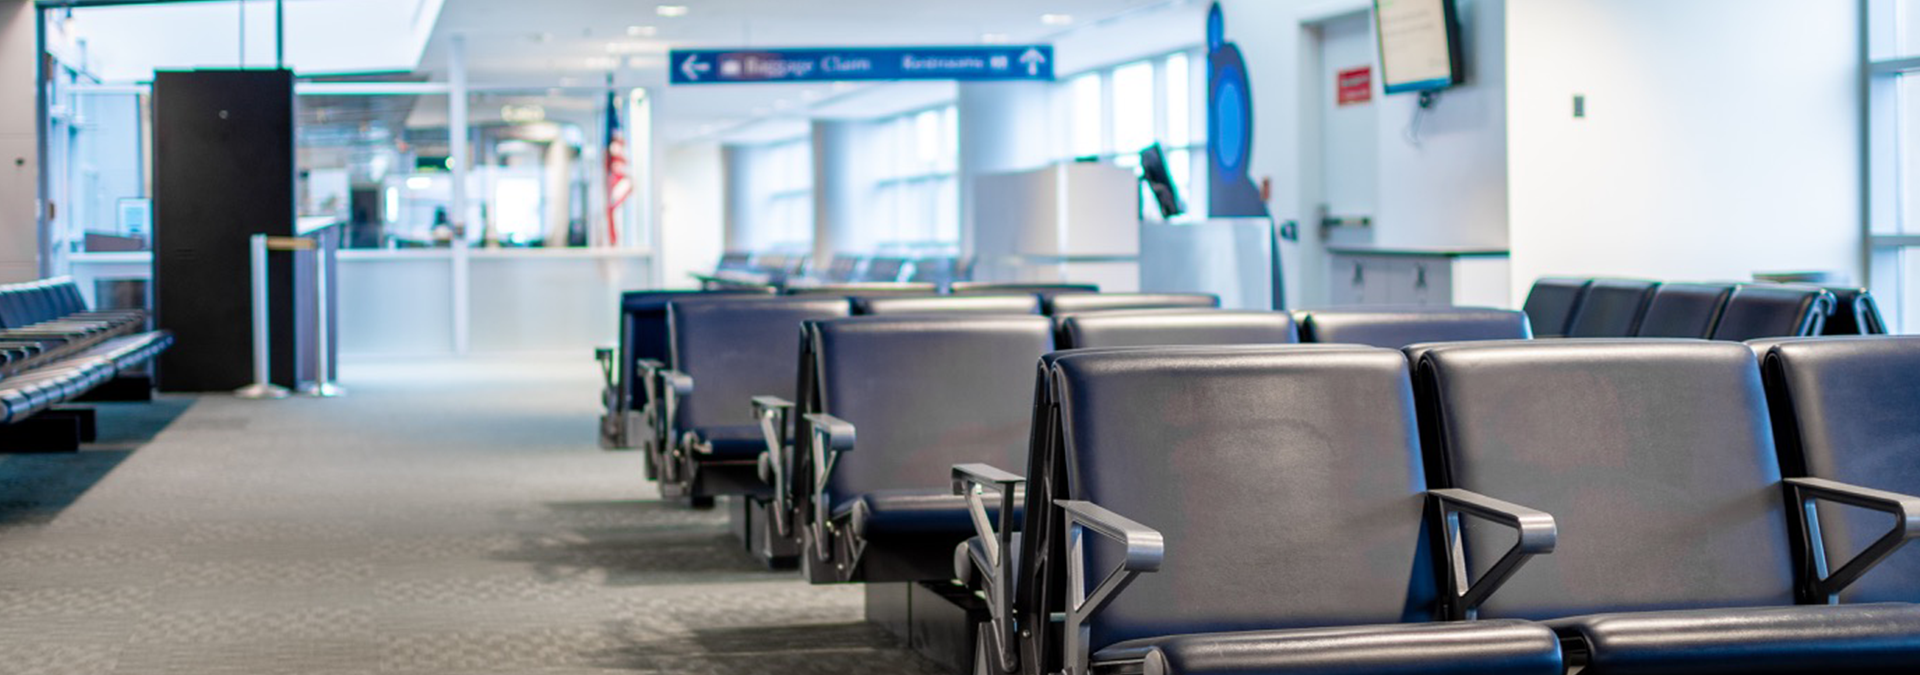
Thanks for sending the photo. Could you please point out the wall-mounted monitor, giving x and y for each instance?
(1419, 44)
(1153, 169)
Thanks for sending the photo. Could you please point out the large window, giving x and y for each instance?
(779, 181)
(1116, 112)
(916, 201)
(1893, 154)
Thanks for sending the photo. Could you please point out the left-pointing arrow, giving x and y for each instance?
(692, 67)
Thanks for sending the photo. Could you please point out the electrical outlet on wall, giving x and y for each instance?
(1579, 106)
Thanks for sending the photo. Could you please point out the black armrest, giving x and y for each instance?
(831, 437)
(1145, 549)
(776, 464)
(669, 386)
(972, 481)
(1806, 492)
(608, 369)
(1537, 536)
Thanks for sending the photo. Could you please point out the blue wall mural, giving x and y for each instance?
(1230, 191)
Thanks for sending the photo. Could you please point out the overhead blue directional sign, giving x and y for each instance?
(986, 62)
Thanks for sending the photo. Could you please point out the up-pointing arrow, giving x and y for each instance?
(692, 67)
(1033, 58)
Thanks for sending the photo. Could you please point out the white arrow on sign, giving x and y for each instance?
(1032, 59)
(692, 67)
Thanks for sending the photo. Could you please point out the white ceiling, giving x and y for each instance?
(581, 42)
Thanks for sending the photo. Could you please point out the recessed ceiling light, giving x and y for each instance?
(995, 38)
(1056, 19)
(642, 31)
(671, 11)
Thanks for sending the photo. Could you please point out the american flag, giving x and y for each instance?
(619, 186)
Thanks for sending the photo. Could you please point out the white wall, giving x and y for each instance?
(693, 212)
(19, 144)
(1721, 138)
(1448, 192)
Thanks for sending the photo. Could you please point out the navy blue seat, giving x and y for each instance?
(1393, 328)
(923, 393)
(1657, 458)
(1772, 310)
(1844, 409)
(725, 350)
(1070, 303)
(884, 269)
(943, 271)
(1855, 313)
(1044, 290)
(1611, 308)
(631, 366)
(1552, 304)
(948, 304)
(1257, 509)
(1684, 310)
(861, 289)
(1147, 327)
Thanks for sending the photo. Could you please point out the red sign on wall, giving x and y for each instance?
(1355, 85)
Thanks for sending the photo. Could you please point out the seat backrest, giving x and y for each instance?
(1285, 480)
(1148, 327)
(845, 267)
(942, 270)
(925, 393)
(853, 289)
(947, 304)
(1552, 303)
(1844, 409)
(1773, 310)
(1683, 310)
(12, 307)
(886, 268)
(1393, 328)
(1069, 303)
(1655, 457)
(1854, 313)
(70, 299)
(735, 261)
(1611, 308)
(739, 347)
(643, 327)
(1042, 290)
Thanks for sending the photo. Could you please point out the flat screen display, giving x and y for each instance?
(1419, 44)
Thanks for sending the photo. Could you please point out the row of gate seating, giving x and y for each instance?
(1596, 308)
(1286, 486)
(1594, 506)
(54, 350)
(781, 269)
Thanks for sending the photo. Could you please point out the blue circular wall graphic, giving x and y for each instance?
(1230, 122)
(1230, 192)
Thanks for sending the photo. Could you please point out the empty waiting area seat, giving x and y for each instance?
(1552, 303)
(1611, 308)
(726, 350)
(1770, 310)
(1658, 462)
(948, 304)
(1854, 313)
(1844, 410)
(1684, 310)
(1069, 303)
(1252, 510)
(627, 368)
(919, 394)
(1394, 328)
(1148, 327)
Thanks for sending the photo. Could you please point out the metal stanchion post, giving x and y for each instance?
(263, 386)
(322, 385)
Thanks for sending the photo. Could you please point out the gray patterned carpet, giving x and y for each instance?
(450, 517)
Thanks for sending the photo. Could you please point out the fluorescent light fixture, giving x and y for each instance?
(393, 205)
(671, 11)
(1056, 19)
(417, 183)
(995, 38)
(642, 31)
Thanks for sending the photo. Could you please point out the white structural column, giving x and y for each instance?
(459, 156)
(1003, 127)
(843, 179)
(736, 171)
(19, 143)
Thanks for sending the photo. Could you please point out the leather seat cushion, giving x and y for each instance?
(734, 442)
(967, 569)
(915, 512)
(1494, 647)
(1831, 640)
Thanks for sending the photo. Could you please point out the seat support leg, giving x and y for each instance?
(47, 432)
